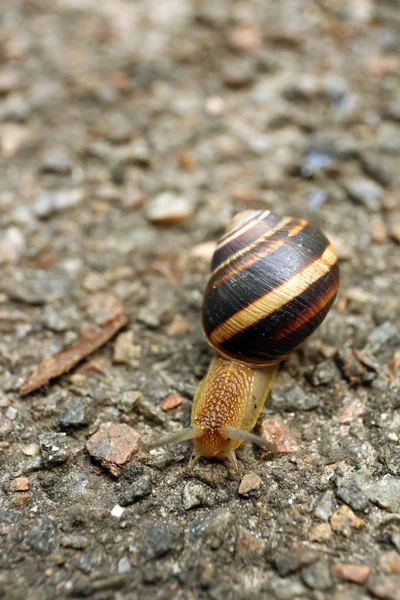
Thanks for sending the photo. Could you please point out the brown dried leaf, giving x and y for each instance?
(63, 361)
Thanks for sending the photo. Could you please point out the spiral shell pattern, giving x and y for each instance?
(273, 282)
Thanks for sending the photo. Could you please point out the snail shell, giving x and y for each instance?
(273, 282)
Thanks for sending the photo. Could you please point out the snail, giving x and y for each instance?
(272, 283)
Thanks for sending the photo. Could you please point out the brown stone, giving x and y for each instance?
(351, 412)
(171, 402)
(276, 433)
(20, 484)
(251, 482)
(320, 533)
(390, 562)
(344, 520)
(385, 588)
(355, 573)
(113, 445)
(245, 38)
(178, 326)
(378, 229)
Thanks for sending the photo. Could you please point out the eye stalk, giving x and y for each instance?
(273, 282)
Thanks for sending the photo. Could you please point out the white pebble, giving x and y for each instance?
(117, 511)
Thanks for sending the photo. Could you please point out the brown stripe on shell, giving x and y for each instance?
(276, 265)
(273, 299)
(273, 338)
(252, 253)
(243, 237)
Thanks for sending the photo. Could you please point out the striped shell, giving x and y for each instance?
(273, 282)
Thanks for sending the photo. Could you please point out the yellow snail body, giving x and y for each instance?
(273, 282)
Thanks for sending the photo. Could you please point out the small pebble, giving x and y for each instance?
(117, 511)
(12, 245)
(128, 400)
(171, 402)
(11, 413)
(323, 510)
(251, 482)
(137, 490)
(248, 546)
(19, 484)
(74, 414)
(386, 493)
(281, 439)
(169, 208)
(124, 565)
(351, 412)
(324, 373)
(354, 573)
(350, 493)
(239, 73)
(113, 445)
(32, 449)
(317, 576)
(343, 521)
(390, 562)
(56, 161)
(365, 191)
(320, 533)
(291, 561)
(193, 495)
(54, 448)
(385, 588)
(103, 308)
(245, 38)
(49, 203)
(125, 351)
(378, 229)
(4, 401)
(179, 326)
(78, 542)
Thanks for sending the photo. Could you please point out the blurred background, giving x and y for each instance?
(130, 133)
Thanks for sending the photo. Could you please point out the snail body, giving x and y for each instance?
(273, 282)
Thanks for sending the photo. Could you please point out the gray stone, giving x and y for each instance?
(161, 539)
(351, 494)
(317, 576)
(386, 493)
(324, 508)
(216, 523)
(239, 73)
(169, 208)
(288, 589)
(324, 373)
(293, 560)
(364, 191)
(389, 138)
(12, 245)
(139, 489)
(292, 397)
(375, 166)
(49, 203)
(193, 495)
(124, 565)
(38, 288)
(90, 561)
(128, 400)
(380, 336)
(52, 319)
(41, 537)
(74, 413)
(56, 161)
(54, 449)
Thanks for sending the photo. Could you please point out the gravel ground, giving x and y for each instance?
(130, 133)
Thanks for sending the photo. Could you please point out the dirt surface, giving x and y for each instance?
(130, 133)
